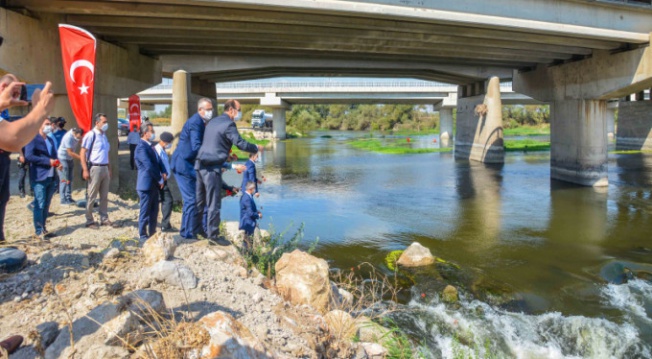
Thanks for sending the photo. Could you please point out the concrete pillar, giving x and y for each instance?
(479, 133)
(445, 123)
(578, 142)
(611, 122)
(278, 123)
(634, 125)
(180, 103)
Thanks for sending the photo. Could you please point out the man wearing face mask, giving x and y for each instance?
(183, 162)
(41, 153)
(220, 135)
(94, 157)
(66, 155)
(165, 196)
(150, 181)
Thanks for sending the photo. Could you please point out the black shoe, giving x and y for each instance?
(22, 195)
(220, 241)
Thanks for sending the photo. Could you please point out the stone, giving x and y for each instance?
(374, 350)
(145, 303)
(48, 332)
(173, 273)
(11, 259)
(450, 295)
(370, 331)
(416, 255)
(85, 262)
(112, 253)
(303, 279)
(82, 328)
(216, 254)
(118, 328)
(105, 352)
(341, 298)
(159, 247)
(340, 324)
(230, 339)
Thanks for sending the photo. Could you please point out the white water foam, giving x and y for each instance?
(631, 298)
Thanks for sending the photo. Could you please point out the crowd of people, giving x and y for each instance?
(48, 152)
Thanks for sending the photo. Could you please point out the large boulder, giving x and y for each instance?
(11, 259)
(172, 273)
(303, 279)
(230, 339)
(416, 255)
(48, 332)
(158, 247)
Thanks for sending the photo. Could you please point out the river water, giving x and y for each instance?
(558, 250)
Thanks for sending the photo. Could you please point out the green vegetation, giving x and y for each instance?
(528, 131)
(528, 115)
(391, 259)
(526, 145)
(629, 152)
(251, 139)
(393, 147)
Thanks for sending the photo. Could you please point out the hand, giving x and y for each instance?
(161, 185)
(223, 169)
(260, 182)
(165, 177)
(86, 175)
(10, 96)
(53, 163)
(260, 148)
(21, 159)
(240, 168)
(60, 168)
(44, 98)
(236, 189)
(257, 195)
(260, 215)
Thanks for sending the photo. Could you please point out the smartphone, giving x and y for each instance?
(23, 93)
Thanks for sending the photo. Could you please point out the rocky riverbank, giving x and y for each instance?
(168, 297)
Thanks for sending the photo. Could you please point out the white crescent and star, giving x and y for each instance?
(83, 89)
(132, 106)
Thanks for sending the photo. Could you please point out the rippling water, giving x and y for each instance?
(547, 241)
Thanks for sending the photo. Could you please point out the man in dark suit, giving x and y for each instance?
(41, 154)
(183, 163)
(150, 181)
(249, 174)
(220, 135)
(249, 214)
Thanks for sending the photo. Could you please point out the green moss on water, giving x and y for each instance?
(630, 152)
(526, 145)
(392, 147)
(391, 259)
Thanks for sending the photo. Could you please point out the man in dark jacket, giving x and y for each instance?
(249, 214)
(150, 181)
(41, 154)
(183, 163)
(220, 135)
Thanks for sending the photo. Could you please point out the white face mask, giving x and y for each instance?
(105, 127)
(238, 116)
(168, 146)
(152, 137)
(47, 130)
(208, 114)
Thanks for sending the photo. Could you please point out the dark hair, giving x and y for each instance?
(145, 127)
(229, 104)
(98, 117)
(77, 131)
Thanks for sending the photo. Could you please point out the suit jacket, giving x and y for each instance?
(190, 140)
(149, 170)
(38, 156)
(220, 135)
(249, 175)
(248, 213)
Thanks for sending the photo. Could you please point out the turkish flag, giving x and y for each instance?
(134, 112)
(78, 53)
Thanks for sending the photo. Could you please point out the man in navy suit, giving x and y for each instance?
(183, 163)
(248, 212)
(220, 135)
(249, 175)
(41, 154)
(150, 181)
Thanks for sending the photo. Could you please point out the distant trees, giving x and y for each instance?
(531, 115)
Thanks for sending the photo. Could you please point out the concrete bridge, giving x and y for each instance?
(574, 54)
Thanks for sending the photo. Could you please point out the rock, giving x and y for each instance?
(85, 262)
(416, 255)
(450, 295)
(341, 298)
(11, 259)
(371, 332)
(173, 273)
(159, 247)
(118, 328)
(112, 253)
(81, 329)
(303, 279)
(374, 350)
(216, 254)
(230, 339)
(105, 352)
(48, 332)
(340, 324)
(145, 303)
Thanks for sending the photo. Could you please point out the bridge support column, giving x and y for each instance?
(634, 125)
(180, 104)
(445, 123)
(279, 107)
(578, 142)
(479, 135)
(611, 119)
(119, 72)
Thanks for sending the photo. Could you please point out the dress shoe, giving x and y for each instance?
(92, 225)
(12, 343)
(110, 224)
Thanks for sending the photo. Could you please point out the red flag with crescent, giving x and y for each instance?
(134, 112)
(78, 53)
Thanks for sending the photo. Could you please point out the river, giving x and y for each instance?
(558, 249)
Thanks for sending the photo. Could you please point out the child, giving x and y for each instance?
(250, 173)
(248, 213)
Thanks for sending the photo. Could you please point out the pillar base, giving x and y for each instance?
(634, 126)
(445, 123)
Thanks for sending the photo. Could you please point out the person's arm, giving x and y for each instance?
(15, 135)
(83, 155)
(72, 154)
(36, 159)
(253, 212)
(233, 135)
(196, 138)
(10, 96)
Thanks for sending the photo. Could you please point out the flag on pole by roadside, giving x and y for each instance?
(134, 112)
(78, 54)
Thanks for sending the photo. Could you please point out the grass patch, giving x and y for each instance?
(527, 131)
(630, 152)
(526, 145)
(430, 131)
(160, 121)
(393, 147)
(251, 139)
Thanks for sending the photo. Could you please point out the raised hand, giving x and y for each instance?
(10, 96)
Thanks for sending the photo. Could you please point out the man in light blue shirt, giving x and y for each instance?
(66, 154)
(94, 157)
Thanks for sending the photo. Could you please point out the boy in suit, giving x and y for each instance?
(249, 174)
(150, 181)
(249, 215)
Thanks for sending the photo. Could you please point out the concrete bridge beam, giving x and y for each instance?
(446, 123)
(479, 135)
(635, 124)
